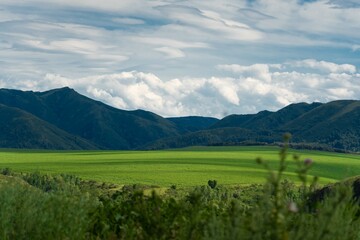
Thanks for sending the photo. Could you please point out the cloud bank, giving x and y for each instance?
(247, 89)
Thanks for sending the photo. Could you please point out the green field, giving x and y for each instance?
(184, 167)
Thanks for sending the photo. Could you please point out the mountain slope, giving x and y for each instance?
(335, 123)
(219, 136)
(19, 129)
(106, 126)
(193, 123)
(266, 119)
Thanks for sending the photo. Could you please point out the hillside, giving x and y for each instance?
(216, 137)
(193, 123)
(19, 129)
(319, 126)
(107, 127)
(266, 119)
(336, 124)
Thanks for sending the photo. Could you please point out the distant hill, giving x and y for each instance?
(19, 129)
(214, 137)
(107, 127)
(193, 123)
(320, 126)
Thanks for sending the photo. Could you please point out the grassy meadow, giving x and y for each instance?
(183, 167)
(40, 203)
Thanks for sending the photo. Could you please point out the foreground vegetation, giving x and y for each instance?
(37, 206)
(187, 167)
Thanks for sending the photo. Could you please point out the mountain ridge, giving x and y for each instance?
(335, 124)
(65, 115)
(95, 121)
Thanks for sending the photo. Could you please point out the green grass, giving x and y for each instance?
(183, 167)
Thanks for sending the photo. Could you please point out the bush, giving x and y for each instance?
(212, 183)
(6, 171)
(28, 213)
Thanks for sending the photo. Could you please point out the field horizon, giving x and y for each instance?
(185, 167)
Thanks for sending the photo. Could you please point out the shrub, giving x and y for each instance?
(6, 171)
(212, 183)
(28, 213)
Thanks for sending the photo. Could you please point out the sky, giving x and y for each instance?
(184, 57)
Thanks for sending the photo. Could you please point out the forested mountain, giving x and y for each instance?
(107, 127)
(64, 119)
(19, 129)
(335, 125)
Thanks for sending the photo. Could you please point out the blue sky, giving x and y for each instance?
(178, 57)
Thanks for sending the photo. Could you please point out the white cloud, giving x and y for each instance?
(355, 47)
(105, 96)
(129, 21)
(294, 18)
(8, 16)
(5, 45)
(67, 45)
(254, 88)
(325, 66)
(211, 22)
(123, 6)
(171, 52)
(169, 42)
(87, 48)
(227, 89)
(342, 93)
(260, 71)
(345, 4)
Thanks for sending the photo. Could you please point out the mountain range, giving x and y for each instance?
(64, 119)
